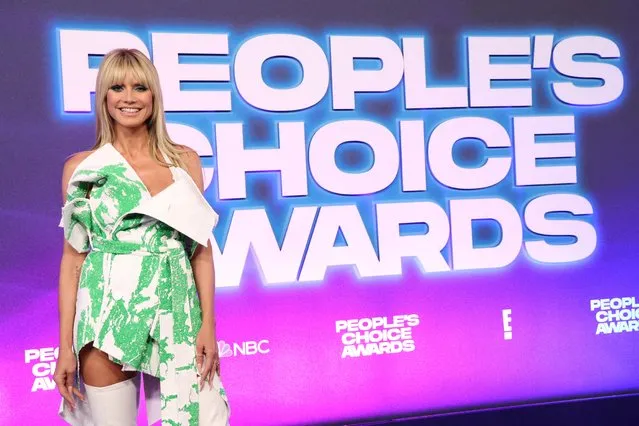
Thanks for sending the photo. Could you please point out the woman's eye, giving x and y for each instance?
(117, 87)
(141, 88)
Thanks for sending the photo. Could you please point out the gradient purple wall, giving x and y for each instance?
(461, 360)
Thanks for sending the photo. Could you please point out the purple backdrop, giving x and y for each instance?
(282, 356)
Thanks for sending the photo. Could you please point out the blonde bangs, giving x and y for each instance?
(123, 66)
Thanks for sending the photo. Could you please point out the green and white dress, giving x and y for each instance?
(137, 300)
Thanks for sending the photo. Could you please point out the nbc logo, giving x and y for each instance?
(247, 348)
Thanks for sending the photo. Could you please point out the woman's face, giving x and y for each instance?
(129, 103)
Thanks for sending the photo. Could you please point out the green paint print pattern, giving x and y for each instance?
(137, 300)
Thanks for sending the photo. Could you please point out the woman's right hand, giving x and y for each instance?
(64, 376)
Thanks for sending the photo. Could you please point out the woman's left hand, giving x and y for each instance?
(207, 356)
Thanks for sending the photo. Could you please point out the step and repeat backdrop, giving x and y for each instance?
(425, 207)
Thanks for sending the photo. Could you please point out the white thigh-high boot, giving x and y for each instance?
(214, 406)
(115, 405)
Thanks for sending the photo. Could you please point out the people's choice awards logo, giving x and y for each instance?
(616, 315)
(248, 348)
(409, 155)
(377, 335)
(43, 362)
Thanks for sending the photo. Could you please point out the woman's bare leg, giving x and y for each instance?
(98, 370)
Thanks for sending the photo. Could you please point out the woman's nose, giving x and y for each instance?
(129, 96)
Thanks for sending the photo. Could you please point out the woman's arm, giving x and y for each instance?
(70, 266)
(202, 259)
(203, 271)
(207, 356)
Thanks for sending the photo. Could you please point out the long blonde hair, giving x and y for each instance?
(113, 69)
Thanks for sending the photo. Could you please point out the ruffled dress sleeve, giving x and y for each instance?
(77, 216)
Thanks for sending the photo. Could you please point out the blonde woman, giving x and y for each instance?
(136, 276)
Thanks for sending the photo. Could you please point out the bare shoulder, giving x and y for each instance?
(192, 163)
(189, 156)
(70, 164)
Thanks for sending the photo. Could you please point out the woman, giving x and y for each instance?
(136, 275)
